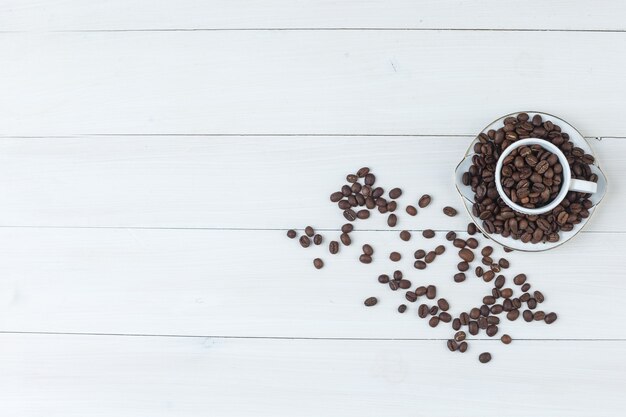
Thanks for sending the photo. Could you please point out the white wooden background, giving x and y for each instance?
(152, 155)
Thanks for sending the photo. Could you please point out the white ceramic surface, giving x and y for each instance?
(467, 196)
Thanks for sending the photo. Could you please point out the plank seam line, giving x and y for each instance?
(10, 332)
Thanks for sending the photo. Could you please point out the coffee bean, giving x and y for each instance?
(462, 266)
(401, 308)
(362, 172)
(484, 357)
(363, 214)
(508, 250)
(452, 345)
(430, 257)
(466, 254)
(305, 241)
(445, 317)
(411, 210)
(474, 313)
(506, 292)
(519, 279)
(404, 284)
(499, 283)
(524, 297)
(503, 263)
(431, 292)
(471, 229)
(405, 235)
(318, 263)
(538, 295)
(525, 287)
(439, 250)
(443, 304)
(371, 301)
(488, 299)
(397, 275)
(419, 254)
(515, 303)
(506, 339)
(309, 231)
(496, 309)
(291, 233)
(450, 236)
(479, 271)
(395, 256)
(395, 193)
(317, 239)
(459, 336)
(346, 190)
(393, 285)
(428, 233)
(463, 347)
(488, 276)
(539, 315)
(392, 220)
(419, 265)
(473, 328)
(464, 318)
(370, 179)
(391, 207)
(368, 250)
(336, 196)
(347, 228)
(424, 201)
(449, 211)
(383, 279)
(495, 268)
(351, 178)
(333, 247)
(550, 318)
(492, 330)
(487, 261)
(410, 296)
(456, 324)
(433, 310)
(527, 315)
(349, 214)
(531, 303)
(472, 243)
(366, 259)
(459, 243)
(460, 277)
(486, 251)
(434, 321)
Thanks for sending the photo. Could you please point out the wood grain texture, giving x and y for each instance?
(355, 82)
(261, 284)
(241, 182)
(67, 375)
(224, 14)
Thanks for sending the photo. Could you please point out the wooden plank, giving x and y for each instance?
(104, 376)
(224, 14)
(240, 182)
(348, 82)
(259, 283)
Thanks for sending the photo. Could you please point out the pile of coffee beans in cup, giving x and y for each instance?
(509, 298)
(531, 176)
(495, 215)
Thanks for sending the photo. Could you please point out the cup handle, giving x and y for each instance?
(581, 186)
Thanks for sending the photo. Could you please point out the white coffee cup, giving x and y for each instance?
(568, 183)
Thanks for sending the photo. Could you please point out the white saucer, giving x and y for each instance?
(467, 196)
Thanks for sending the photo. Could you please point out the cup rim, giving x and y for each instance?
(564, 184)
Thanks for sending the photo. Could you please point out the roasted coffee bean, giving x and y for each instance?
(506, 339)
(495, 268)
(392, 220)
(370, 301)
(421, 290)
(366, 259)
(462, 266)
(452, 345)
(345, 239)
(473, 328)
(430, 257)
(508, 250)
(428, 233)
(404, 284)
(479, 271)
(424, 201)
(370, 179)
(401, 308)
(515, 303)
(291, 233)
(443, 304)
(317, 239)
(512, 315)
(472, 243)
(333, 247)
(309, 231)
(431, 292)
(395, 256)
(346, 190)
(471, 229)
(419, 265)
(499, 283)
(377, 193)
(363, 214)
(496, 309)
(433, 310)
(318, 263)
(484, 310)
(488, 299)
(519, 279)
(397, 275)
(538, 295)
(410, 296)
(492, 330)
(525, 287)
(466, 254)
(474, 313)
(531, 303)
(405, 235)
(486, 251)
(527, 315)
(336, 196)
(503, 263)
(484, 357)
(506, 293)
(524, 297)
(347, 228)
(539, 315)
(460, 336)
(450, 236)
(463, 347)
(439, 250)
(411, 210)
(305, 241)
(460, 277)
(449, 211)
(423, 310)
(419, 254)
(459, 243)
(445, 317)
(351, 178)
(368, 250)
(395, 193)
(456, 324)
(356, 187)
(488, 276)
(495, 293)
(550, 318)
(393, 285)
(362, 172)
(350, 215)
(464, 318)
(434, 321)
(392, 206)
(383, 279)
(487, 261)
